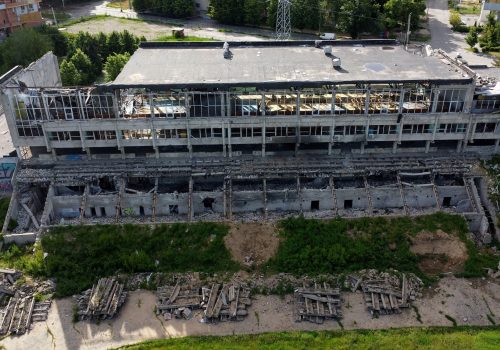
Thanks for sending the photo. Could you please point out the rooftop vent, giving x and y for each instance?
(227, 53)
(327, 50)
(336, 62)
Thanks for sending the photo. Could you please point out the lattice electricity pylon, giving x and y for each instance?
(283, 24)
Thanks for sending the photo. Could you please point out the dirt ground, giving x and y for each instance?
(467, 301)
(153, 30)
(441, 252)
(252, 242)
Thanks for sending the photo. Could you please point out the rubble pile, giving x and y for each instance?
(18, 307)
(226, 302)
(102, 301)
(386, 293)
(317, 303)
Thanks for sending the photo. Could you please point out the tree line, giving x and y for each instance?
(167, 8)
(348, 16)
(83, 56)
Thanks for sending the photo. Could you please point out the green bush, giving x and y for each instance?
(79, 255)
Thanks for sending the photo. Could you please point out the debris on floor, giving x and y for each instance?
(18, 307)
(386, 293)
(102, 301)
(317, 303)
(227, 302)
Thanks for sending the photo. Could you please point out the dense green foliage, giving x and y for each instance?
(340, 245)
(471, 39)
(79, 255)
(168, 8)
(490, 36)
(114, 65)
(353, 17)
(436, 338)
(28, 259)
(97, 49)
(23, 47)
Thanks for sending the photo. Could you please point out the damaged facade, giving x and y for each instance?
(188, 131)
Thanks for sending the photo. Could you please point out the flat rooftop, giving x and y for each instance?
(280, 64)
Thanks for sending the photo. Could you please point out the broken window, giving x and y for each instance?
(348, 204)
(314, 205)
(173, 209)
(208, 203)
(447, 202)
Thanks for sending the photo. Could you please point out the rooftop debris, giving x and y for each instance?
(18, 307)
(386, 293)
(317, 303)
(102, 301)
(227, 302)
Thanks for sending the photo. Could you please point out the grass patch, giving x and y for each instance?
(28, 259)
(435, 338)
(86, 19)
(60, 16)
(119, 4)
(4, 207)
(79, 255)
(186, 38)
(341, 245)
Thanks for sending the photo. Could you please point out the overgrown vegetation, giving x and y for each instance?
(185, 38)
(341, 245)
(4, 207)
(79, 255)
(28, 259)
(436, 338)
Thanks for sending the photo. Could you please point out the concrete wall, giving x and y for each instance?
(42, 73)
(420, 197)
(383, 198)
(20, 238)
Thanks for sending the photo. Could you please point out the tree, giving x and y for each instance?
(84, 66)
(228, 11)
(89, 45)
(305, 14)
(490, 37)
(59, 40)
(471, 37)
(114, 45)
(24, 46)
(70, 76)
(359, 16)
(114, 65)
(128, 42)
(255, 12)
(397, 12)
(455, 20)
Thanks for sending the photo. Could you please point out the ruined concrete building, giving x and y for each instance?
(196, 131)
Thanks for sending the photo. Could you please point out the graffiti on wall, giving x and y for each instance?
(7, 168)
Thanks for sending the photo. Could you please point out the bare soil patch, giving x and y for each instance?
(440, 252)
(252, 242)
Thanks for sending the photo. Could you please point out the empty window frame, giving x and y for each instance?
(451, 100)
(384, 101)
(206, 104)
(418, 128)
(485, 127)
(382, 129)
(452, 128)
(168, 105)
(417, 100)
(350, 101)
(314, 130)
(171, 133)
(244, 132)
(355, 130)
(27, 130)
(315, 102)
(280, 132)
(486, 104)
(29, 106)
(245, 105)
(201, 133)
(281, 103)
(64, 136)
(97, 106)
(100, 135)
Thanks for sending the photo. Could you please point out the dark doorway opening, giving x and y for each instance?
(93, 212)
(103, 211)
(447, 202)
(314, 205)
(141, 210)
(348, 204)
(173, 209)
(208, 203)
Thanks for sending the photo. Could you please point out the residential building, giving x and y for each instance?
(16, 14)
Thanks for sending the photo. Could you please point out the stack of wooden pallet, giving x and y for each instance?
(386, 293)
(16, 317)
(178, 301)
(219, 302)
(102, 301)
(317, 303)
(226, 303)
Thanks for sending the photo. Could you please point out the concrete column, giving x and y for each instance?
(224, 153)
(153, 137)
(435, 100)
(46, 107)
(230, 198)
(190, 200)
(46, 138)
(459, 146)
(334, 195)
(436, 127)
(264, 138)
(362, 148)
(189, 145)
(264, 192)
(367, 102)
(427, 146)
(116, 97)
(394, 147)
(187, 105)
(299, 194)
(497, 142)
(401, 100)
(229, 146)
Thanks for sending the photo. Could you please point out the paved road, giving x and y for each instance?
(443, 37)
